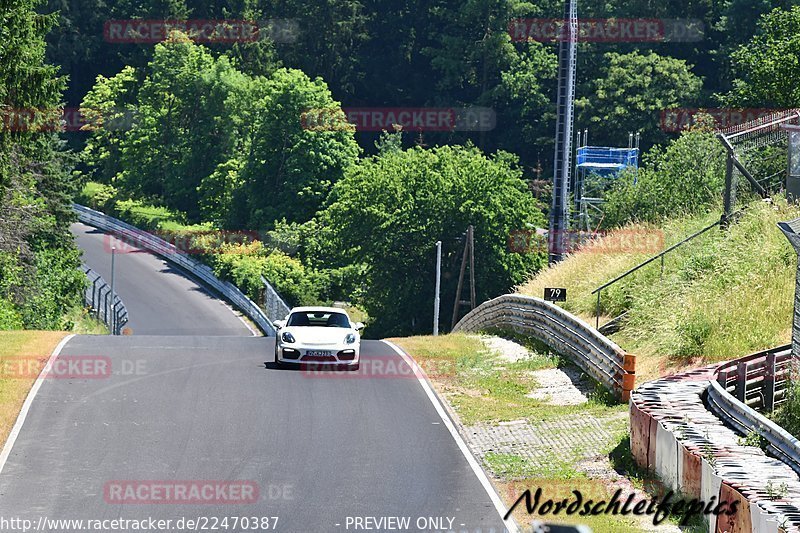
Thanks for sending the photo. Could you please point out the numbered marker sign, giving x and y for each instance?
(555, 295)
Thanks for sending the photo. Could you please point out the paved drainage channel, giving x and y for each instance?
(570, 439)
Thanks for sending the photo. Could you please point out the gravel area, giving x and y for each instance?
(507, 350)
(561, 386)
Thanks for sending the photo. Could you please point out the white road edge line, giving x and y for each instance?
(510, 524)
(12, 437)
(239, 316)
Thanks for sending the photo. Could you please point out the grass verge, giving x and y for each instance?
(483, 388)
(14, 388)
(83, 323)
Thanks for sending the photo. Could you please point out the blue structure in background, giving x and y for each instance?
(597, 166)
(606, 161)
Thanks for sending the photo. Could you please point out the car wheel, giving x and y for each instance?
(277, 361)
(353, 368)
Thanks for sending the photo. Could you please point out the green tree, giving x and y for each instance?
(631, 94)
(291, 164)
(109, 108)
(523, 98)
(39, 280)
(389, 210)
(188, 119)
(767, 68)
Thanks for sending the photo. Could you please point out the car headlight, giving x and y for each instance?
(350, 339)
(287, 337)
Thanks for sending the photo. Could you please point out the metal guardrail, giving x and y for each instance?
(274, 305)
(598, 356)
(103, 304)
(134, 236)
(780, 444)
(759, 380)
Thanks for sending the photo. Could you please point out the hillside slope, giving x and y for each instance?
(723, 295)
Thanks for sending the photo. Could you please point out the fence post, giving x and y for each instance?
(741, 382)
(597, 312)
(95, 297)
(106, 305)
(769, 383)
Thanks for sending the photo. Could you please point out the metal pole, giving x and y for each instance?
(472, 302)
(113, 303)
(597, 312)
(727, 200)
(438, 288)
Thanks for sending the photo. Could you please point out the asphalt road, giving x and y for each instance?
(321, 446)
(160, 298)
(325, 451)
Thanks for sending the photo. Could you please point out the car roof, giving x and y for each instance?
(319, 310)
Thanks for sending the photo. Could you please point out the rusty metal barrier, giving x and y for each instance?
(759, 380)
(598, 356)
(679, 432)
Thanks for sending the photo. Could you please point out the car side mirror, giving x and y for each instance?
(279, 324)
(359, 325)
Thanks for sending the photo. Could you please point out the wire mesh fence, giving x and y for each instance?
(103, 305)
(274, 306)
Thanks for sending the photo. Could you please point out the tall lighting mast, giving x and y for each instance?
(559, 214)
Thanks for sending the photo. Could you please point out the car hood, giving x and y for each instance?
(318, 335)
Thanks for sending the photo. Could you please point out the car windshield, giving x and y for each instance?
(319, 319)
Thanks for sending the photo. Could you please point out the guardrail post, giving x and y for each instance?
(769, 383)
(629, 378)
(741, 381)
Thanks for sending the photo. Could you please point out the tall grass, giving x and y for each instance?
(722, 296)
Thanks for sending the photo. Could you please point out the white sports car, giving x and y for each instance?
(319, 336)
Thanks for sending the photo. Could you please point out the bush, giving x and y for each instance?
(787, 415)
(57, 286)
(98, 196)
(243, 265)
(686, 178)
(9, 316)
(147, 217)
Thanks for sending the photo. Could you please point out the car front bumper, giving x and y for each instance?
(343, 354)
